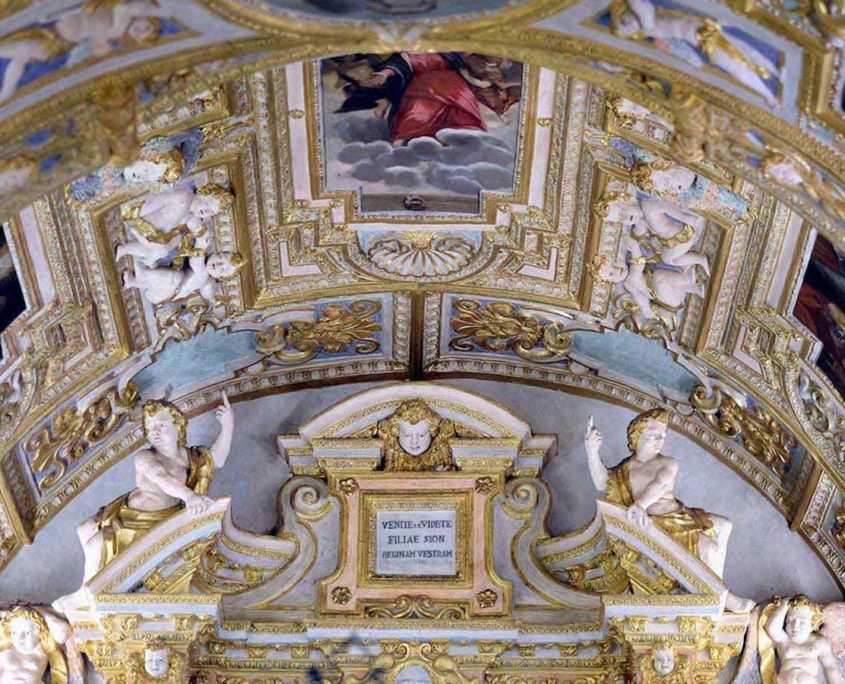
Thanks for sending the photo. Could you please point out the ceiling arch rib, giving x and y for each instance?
(340, 285)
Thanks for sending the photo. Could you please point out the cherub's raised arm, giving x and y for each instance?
(774, 625)
(223, 443)
(592, 444)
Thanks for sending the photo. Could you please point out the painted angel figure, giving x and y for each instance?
(93, 26)
(793, 626)
(673, 228)
(31, 640)
(681, 33)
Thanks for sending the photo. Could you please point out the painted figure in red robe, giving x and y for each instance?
(422, 94)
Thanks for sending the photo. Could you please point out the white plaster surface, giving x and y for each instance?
(764, 556)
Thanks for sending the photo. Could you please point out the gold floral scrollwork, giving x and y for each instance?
(757, 430)
(348, 485)
(416, 607)
(485, 485)
(503, 327)
(487, 598)
(341, 595)
(333, 332)
(70, 433)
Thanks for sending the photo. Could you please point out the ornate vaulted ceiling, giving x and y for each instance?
(626, 219)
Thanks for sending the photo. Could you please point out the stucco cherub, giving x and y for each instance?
(85, 31)
(416, 438)
(168, 475)
(657, 293)
(680, 32)
(162, 284)
(31, 641)
(671, 230)
(793, 628)
(168, 215)
(644, 484)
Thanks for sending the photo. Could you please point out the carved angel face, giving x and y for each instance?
(799, 624)
(676, 179)
(663, 660)
(156, 661)
(415, 438)
(162, 432)
(25, 635)
(652, 438)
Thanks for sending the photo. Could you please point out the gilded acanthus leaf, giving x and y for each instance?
(504, 327)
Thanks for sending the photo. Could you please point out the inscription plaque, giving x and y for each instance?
(416, 543)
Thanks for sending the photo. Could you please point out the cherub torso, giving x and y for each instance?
(148, 496)
(19, 668)
(799, 662)
(642, 473)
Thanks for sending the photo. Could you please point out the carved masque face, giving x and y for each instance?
(663, 660)
(25, 636)
(161, 430)
(156, 662)
(799, 624)
(415, 438)
(676, 179)
(652, 437)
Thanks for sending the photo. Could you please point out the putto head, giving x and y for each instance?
(157, 658)
(804, 618)
(26, 629)
(163, 421)
(637, 426)
(663, 659)
(415, 425)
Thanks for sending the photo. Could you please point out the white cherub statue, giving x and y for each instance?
(793, 628)
(163, 215)
(160, 284)
(30, 646)
(644, 483)
(672, 228)
(167, 475)
(664, 289)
